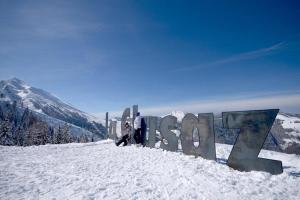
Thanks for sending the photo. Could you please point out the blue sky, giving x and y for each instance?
(197, 56)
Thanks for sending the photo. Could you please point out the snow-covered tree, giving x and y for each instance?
(37, 132)
(58, 136)
(19, 135)
(50, 136)
(66, 134)
(84, 138)
(17, 128)
(62, 135)
(6, 134)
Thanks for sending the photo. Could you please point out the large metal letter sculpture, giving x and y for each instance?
(254, 127)
(126, 114)
(113, 130)
(166, 125)
(151, 123)
(205, 125)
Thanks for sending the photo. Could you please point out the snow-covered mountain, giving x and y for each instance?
(49, 108)
(286, 129)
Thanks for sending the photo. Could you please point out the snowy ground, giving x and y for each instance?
(103, 171)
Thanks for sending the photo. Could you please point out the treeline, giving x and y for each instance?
(22, 128)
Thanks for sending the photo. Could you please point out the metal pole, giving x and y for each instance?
(106, 124)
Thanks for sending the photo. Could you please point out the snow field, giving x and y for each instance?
(101, 170)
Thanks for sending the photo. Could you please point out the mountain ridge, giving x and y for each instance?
(49, 107)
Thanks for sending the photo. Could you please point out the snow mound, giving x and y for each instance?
(103, 171)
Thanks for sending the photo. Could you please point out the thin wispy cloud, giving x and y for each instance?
(60, 20)
(55, 21)
(250, 55)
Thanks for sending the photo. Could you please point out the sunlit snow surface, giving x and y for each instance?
(103, 171)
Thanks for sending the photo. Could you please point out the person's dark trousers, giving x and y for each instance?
(143, 132)
(143, 137)
(123, 139)
(137, 136)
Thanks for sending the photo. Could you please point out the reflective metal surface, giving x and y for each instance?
(169, 139)
(112, 130)
(151, 123)
(254, 127)
(205, 126)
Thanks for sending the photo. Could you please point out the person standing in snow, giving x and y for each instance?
(125, 138)
(137, 127)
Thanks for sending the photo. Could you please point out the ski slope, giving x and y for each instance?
(101, 170)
